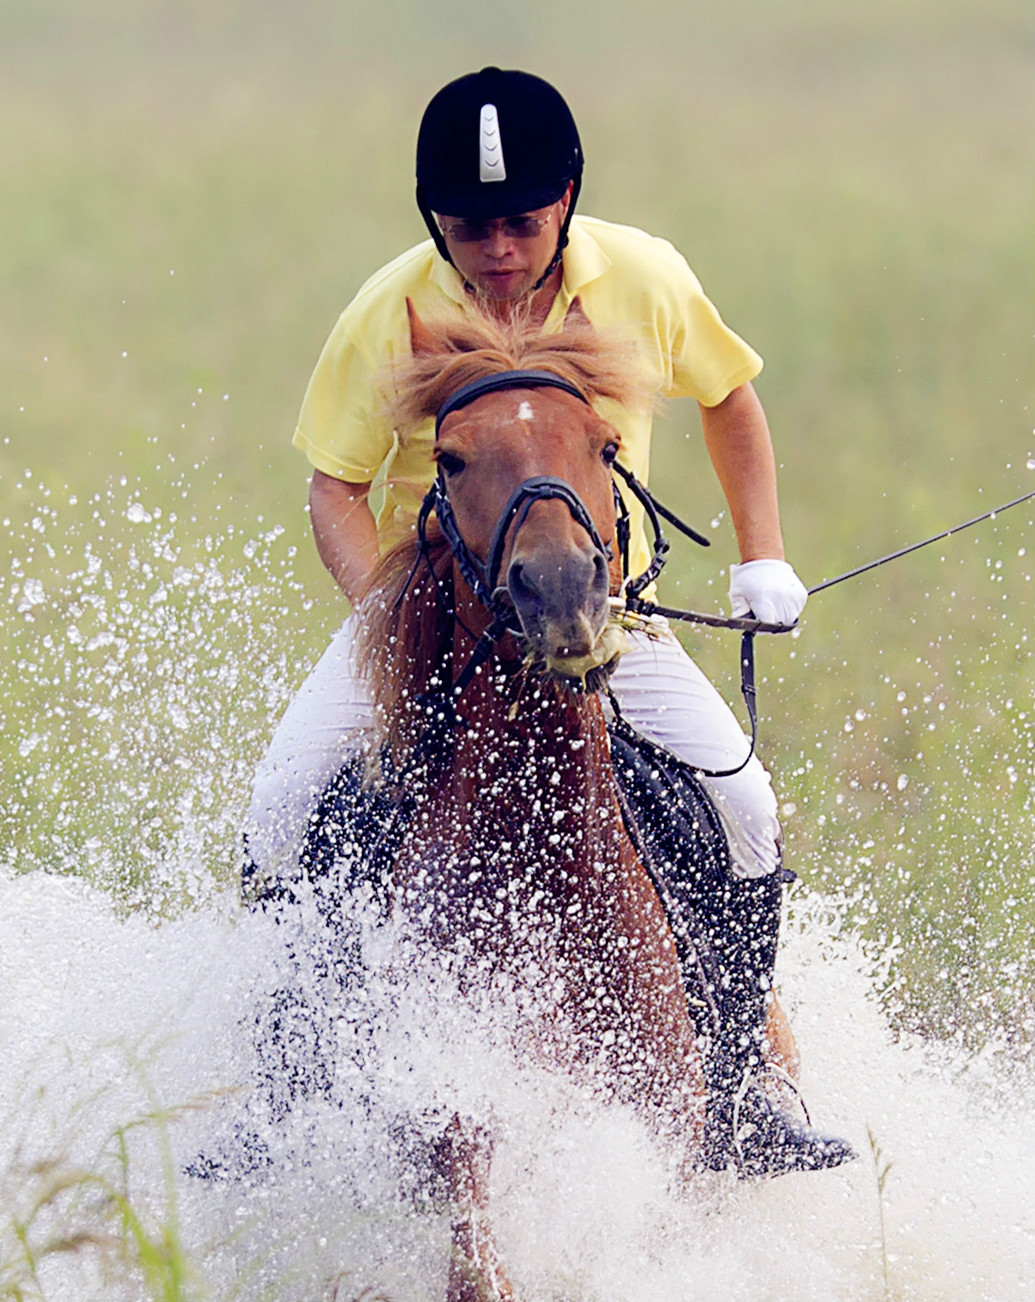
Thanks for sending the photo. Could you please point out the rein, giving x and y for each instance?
(483, 577)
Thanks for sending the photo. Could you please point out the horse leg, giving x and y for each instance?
(475, 1271)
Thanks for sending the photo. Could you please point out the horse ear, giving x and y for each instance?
(421, 338)
(576, 313)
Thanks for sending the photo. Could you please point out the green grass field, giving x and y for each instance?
(192, 191)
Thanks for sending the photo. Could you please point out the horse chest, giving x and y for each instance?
(522, 846)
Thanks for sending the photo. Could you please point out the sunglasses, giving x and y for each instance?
(514, 228)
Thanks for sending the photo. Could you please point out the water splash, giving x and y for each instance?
(585, 1200)
(144, 664)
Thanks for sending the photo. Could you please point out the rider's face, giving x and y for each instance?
(503, 265)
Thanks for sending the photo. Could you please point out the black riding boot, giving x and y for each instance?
(745, 1129)
(726, 929)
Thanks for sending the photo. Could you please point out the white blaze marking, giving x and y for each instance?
(490, 146)
(525, 412)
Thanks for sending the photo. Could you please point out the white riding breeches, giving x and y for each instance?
(660, 691)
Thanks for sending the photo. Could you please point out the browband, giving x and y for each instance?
(505, 380)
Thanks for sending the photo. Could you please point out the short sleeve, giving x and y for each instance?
(338, 427)
(709, 360)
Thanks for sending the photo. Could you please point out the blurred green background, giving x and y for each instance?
(190, 193)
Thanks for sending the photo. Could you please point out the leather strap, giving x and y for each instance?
(504, 380)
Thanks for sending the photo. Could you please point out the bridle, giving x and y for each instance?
(483, 576)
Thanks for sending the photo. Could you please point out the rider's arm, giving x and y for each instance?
(345, 532)
(737, 436)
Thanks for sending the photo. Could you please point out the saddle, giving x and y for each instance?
(668, 813)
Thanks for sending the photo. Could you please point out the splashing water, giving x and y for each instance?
(100, 1009)
(130, 980)
(143, 666)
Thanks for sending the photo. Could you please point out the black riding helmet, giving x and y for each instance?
(494, 144)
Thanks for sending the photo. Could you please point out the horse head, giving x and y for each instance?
(526, 499)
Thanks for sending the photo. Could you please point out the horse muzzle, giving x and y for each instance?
(560, 597)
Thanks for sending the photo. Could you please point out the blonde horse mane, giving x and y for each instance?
(450, 354)
(407, 627)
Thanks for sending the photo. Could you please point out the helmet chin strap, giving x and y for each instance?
(555, 262)
(433, 226)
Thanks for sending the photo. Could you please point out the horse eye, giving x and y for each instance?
(608, 453)
(451, 463)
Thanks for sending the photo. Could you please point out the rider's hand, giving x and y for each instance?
(768, 589)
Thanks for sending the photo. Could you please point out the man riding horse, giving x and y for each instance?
(499, 167)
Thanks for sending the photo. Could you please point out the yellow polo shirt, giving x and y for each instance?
(627, 281)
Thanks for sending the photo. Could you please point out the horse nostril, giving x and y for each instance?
(568, 590)
(522, 591)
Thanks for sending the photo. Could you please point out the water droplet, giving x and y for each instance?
(28, 744)
(32, 594)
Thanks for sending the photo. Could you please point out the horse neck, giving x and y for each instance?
(531, 758)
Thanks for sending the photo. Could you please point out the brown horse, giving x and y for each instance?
(520, 861)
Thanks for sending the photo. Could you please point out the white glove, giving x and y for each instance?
(768, 589)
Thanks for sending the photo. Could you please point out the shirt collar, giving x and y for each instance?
(447, 278)
(584, 259)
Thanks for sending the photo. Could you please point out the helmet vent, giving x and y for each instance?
(490, 146)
